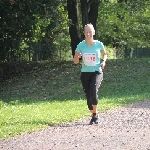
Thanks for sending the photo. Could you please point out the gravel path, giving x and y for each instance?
(126, 128)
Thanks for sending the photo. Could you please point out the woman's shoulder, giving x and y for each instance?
(82, 42)
(97, 41)
(99, 44)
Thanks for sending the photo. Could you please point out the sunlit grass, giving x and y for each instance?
(19, 117)
(55, 96)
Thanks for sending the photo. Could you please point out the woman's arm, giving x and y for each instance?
(104, 54)
(76, 57)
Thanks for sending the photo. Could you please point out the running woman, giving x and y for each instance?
(91, 72)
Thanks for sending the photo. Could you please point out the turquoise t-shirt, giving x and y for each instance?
(90, 56)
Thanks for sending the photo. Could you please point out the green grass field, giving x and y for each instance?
(53, 95)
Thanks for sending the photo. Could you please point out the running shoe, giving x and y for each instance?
(95, 119)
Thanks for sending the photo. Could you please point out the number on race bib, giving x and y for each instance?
(89, 59)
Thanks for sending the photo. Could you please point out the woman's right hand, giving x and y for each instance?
(76, 57)
(79, 55)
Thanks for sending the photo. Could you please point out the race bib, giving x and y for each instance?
(89, 59)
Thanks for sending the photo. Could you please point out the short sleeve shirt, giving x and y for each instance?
(90, 56)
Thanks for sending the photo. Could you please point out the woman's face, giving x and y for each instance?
(89, 32)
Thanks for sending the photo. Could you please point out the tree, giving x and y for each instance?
(72, 7)
(29, 29)
(124, 26)
(89, 11)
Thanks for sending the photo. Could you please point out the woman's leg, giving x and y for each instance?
(85, 80)
(95, 84)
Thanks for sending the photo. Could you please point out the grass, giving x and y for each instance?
(54, 95)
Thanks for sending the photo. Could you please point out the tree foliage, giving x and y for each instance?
(125, 25)
(29, 28)
(34, 30)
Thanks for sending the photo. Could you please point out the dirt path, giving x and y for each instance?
(125, 128)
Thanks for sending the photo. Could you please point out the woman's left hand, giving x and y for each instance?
(103, 65)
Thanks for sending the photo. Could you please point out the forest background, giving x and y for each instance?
(39, 30)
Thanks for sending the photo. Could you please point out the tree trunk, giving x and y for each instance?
(89, 10)
(72, 8)
(84, 11)
(93, 13)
